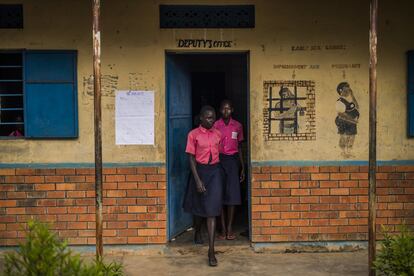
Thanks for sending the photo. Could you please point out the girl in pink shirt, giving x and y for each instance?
(203, 197)
(231, 160)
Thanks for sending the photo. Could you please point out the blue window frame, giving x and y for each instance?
(38, 94)
(410, 98)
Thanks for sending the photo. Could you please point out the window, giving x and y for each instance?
(11, 16)
(207, 16)
(410, 98)
(38, 94)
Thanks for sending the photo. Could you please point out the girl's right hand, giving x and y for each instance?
(200, 187)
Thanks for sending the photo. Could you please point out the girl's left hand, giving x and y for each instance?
(242, 175)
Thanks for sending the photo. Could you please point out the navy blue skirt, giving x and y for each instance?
(208, 204)
(232, 193)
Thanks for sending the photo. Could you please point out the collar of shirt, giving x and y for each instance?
(205, 130)
(231, 121)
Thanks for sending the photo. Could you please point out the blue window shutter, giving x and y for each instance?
(410, 97)
(50, 94)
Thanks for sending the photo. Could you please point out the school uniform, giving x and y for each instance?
(204, 145)
(231, 136)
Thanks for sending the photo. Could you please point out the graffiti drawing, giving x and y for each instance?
(289, 112)
(347, 118)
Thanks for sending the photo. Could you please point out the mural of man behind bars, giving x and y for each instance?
(347, 119)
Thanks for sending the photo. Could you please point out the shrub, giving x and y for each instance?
(396, 256)
(43, 253)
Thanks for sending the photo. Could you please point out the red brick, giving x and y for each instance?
(46, 202)
(361, 176)
(270, 184)
(281, 207)
(25, 172)
(126, 170)
(261, 192)
(34, 179)
(44, 187)
(328, 184)
(348, 184)
(300, 207)
(270, 230)
(57, 210)
(281, 222)
(290, 215)
(319, 222)
(147, 232)
(260, 176)
(300, 222)
(280, 192)
(135, 178)
(77, 225)
(261, 208)
(349, 169)
(328, 229)
(15, 211)
(136, 193)
(162, 170)
(7, 187)
(280, 176)
(320, 207)
(115, 240)
(54, 178)
(11, 195)
(358, 191)
(65, 172)
(339, 191)
(290, 169)
(137, 209)
(310, 229)
(339, 176)
(79, 194)
(347, 229)
(270, 169)
(148, 185)
(300, 176)
(270, 215)
(137, 224)
(65, 186)
(341, 221)
(300, 192)
(13, 179)
(156, 193)
(156, 177)
(77, 210)
(147, 170)
(56, 194)
(289, 184)
(309, 184)
(358, 221)
(319, 191)
(7, 171)
(115, 178)
(116, 193)
(289, 199)
(116, 224)
(8, 203)
(269, 200)
(329, 169)
(309, 199)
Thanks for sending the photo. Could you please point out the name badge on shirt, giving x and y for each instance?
(234, 135)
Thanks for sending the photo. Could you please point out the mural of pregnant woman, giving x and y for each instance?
(347, 118)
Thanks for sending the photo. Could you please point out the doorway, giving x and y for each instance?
(194, 80)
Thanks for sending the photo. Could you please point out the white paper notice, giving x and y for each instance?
(134, 118)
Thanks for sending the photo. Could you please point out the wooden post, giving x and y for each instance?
(98, 125)
(372, 134)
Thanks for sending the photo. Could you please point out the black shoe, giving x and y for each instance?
(198, 239)
(212, 261)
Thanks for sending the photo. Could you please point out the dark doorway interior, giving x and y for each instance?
(211, 79)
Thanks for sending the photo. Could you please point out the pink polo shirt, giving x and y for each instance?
(231, 136)
(202, 143)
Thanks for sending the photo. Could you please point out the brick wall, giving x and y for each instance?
(327, 203)
(134, 204)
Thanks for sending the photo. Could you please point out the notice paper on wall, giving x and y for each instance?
(134, 118)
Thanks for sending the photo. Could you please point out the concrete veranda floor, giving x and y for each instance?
(242, 261)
